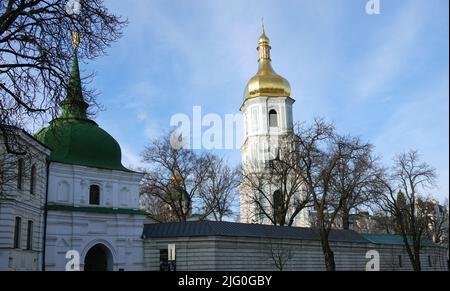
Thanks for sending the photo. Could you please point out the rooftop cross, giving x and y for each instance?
(262, 24)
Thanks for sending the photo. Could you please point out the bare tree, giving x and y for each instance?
(14, 158)
(175, 177)
(9, 160)
(355, 177)
(384, 223)
(275, 191)
(440, 225)
(318, 162)
(219, 190)
(158, 210)
(36, 53)
(437, 230)
(278, 253)
(403, 199)
(323, 154)
(180, 181)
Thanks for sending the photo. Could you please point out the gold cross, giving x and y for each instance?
(262, 24)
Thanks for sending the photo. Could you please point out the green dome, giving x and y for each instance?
(81, 142)
(74, 138)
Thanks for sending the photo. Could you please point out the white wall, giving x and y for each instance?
(216, 253)
(81, 230)
(69, 185)
(21, 203)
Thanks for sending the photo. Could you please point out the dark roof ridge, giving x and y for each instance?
(226, 228)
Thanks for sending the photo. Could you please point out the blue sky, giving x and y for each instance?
(383, 77)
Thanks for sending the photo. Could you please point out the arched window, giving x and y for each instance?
(94, 195)
(273, 118)
(33, 180)
(19, 173)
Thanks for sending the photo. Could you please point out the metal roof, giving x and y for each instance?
(219, 228)
(392, 239)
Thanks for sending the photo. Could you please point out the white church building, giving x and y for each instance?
(93, 217)
(67, 202)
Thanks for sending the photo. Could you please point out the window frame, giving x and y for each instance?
(20, 166)
(33, 180)
(17, 232)
(98, 198)
(273, 117)
(30, 227)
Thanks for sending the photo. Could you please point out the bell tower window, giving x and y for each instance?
(273, 118)
(94, 195)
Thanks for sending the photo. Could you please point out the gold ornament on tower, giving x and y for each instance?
(75, 39)
(266, 82)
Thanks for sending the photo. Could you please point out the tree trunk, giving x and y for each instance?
(413, 253)
(417, 266)
(345, 219)
(330, 264)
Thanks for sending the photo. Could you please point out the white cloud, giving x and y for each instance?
(130, 159)
(142, 116)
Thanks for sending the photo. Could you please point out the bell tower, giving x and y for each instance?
(268, 122)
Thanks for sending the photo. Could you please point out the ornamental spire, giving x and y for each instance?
(263, 45)
(74, 105)
(266, 82)
(262, 24)
(75, 39)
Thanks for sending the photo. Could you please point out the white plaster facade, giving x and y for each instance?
(73, 224)
(20, 202)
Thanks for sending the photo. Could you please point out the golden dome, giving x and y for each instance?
(266, 82)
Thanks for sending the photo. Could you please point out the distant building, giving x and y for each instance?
(363, 222)
(438, 221)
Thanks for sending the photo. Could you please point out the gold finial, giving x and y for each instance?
(75, 39)
(263, 44)
(263, 38)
